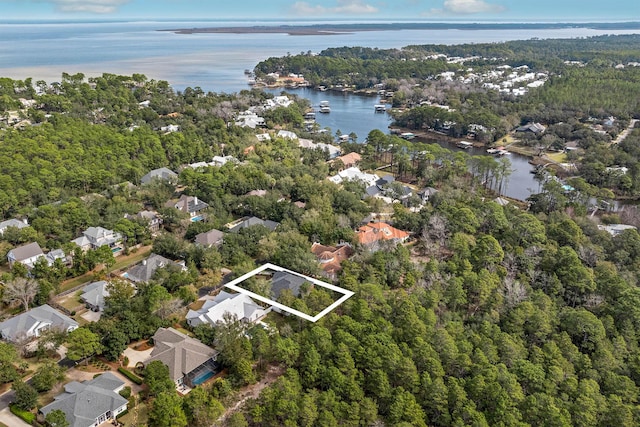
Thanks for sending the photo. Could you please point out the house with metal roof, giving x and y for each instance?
(90, 403)
(32, 323)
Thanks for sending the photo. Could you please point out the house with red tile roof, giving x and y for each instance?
(330, 258)
(374, 233)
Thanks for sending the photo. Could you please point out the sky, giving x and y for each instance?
(371, 10)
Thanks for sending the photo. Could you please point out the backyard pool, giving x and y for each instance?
(197, 218)
(202, 377)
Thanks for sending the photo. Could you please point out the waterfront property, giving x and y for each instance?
(90, 403)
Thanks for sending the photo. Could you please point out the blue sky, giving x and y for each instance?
(473, 10)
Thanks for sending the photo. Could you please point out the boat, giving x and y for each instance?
(493, 150)
(324, 103)
(310, 116)
(464, 145)
(325, 109)
(380, 108)
(407, 135)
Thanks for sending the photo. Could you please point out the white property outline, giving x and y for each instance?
(345, 293)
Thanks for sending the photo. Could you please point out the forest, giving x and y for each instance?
(489, 315)
(583, 82)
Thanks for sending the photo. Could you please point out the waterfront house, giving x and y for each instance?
(535, 128)
(615, 229)
(90, 403)
(32, 323)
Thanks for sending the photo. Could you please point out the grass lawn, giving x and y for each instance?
(136, 416)
(557, 157)
(122, 262)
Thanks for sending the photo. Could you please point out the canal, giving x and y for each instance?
(356, 113)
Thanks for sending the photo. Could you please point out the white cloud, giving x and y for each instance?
(349, 7)
(87, 6)
(467, 7)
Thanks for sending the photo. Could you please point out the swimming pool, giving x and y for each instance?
(203, 377)
(197, 218)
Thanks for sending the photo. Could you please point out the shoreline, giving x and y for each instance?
(338, 29)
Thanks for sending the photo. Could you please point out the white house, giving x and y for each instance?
(32, 323)
(213, 310)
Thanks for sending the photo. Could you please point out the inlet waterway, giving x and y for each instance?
(215, 62)
(356, 113)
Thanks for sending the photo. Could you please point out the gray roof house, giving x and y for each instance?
(251, 221)
(26, 254)
(160, 173)
(90, 403)
(152, 218)
(31, 323)
(94, 293)
(190, 362)
(94, 237)
(188, 204)
(210, 238)
(213, 310)
(283, 280)
(144, 271)
(535, 128)
(13, 223)
(30, 253)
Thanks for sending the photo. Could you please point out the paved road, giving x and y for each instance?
(621, 137)
(11, 420)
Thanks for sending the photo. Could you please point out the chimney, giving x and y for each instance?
(144, 262)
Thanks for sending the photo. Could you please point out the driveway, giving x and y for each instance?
(11, 420)
(136, 356)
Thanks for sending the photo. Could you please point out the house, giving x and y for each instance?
(223, 160)
(164, 174)
(30, 253)
(26, 254)
(188, 204)
(144, 271)
(214, 311)
(287, 134)
(90, 403)
(236, 226)
(210, 238)
(355, 174)
(535, 128)
(371, 234)
(283, 280)
(249, 119)
(426, 193)
(263, 137)
(170, 128)
(152, 218)
(95, 237)
(332, 150)
(94, 294)
(19, 224)
(330, 258)
(32, 323)
(190, 362)
(615, 229)
(350, 160)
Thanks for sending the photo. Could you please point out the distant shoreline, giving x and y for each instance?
(333, 29)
